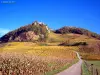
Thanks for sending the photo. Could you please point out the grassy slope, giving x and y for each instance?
(96, 64)
(54, 38)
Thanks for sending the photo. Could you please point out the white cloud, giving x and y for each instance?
(3, 31)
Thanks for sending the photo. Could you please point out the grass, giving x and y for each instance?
(96, 64)
(61, 69)
(29, 58)
(90, 56)
(58, 38)
(85, 70)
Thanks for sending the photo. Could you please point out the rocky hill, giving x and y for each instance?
(36, 31)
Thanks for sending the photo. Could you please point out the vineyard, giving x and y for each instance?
(22, 58)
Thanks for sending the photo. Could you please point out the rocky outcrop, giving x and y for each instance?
(37, 31)
(27, 36)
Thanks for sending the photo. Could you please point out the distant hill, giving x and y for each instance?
(36, 31)
(76, 30)
(39, 32)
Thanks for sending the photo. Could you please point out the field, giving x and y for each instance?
(96, 65)
(27, 58)
(90, 56)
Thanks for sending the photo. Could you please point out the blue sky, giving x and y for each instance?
(55, 13)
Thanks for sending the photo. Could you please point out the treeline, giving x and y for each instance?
(38, 29)
(67, 43)
(76, 30)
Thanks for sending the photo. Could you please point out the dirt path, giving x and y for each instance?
(0, 73)
(74, 69)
